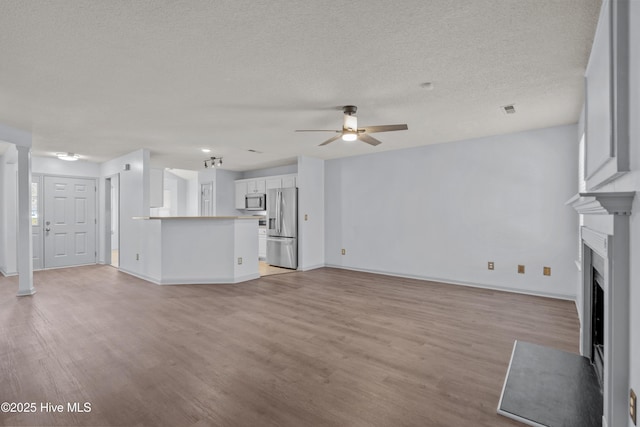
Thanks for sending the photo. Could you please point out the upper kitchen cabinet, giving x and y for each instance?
(256, 186)
(261, 185)
(606, 98)
(285, 181)
(289, 181)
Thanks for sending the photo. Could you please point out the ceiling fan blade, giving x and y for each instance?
(330, 140)
(317, 130)
(369, 139)
(385, 128)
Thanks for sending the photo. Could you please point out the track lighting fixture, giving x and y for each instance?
(213, 162)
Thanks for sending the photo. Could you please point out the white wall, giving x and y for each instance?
(443, 211)
(310, 184)
(631, 182)
(134, 201)
(55, 166)
(8, 211)
(279, 170)
(225, 193)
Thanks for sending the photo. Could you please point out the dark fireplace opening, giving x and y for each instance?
(597, 324)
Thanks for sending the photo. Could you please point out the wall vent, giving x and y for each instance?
(509, 109)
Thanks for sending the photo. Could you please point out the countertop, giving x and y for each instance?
(197, 217)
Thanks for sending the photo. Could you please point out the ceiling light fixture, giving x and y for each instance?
(213, 162)
(70, 157)
(349, 136)
(206, 150)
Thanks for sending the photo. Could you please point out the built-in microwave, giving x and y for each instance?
(255, 202)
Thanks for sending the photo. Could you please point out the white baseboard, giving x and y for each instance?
(139, 276)
(312, 267)
(455, 282)
(26, 293)
(8, 273)
(209, 281)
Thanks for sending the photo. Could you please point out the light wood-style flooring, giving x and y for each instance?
(269, 270)
(326, 347)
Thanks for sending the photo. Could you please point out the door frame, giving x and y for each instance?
(39, 179)
(108, 216)
(211, 195)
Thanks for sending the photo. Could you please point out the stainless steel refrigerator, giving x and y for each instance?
(282, 227)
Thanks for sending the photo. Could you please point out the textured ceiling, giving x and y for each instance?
(103, 78)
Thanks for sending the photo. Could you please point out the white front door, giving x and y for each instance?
(69, 221)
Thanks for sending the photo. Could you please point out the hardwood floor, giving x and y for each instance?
(326, 347)
(268, 270)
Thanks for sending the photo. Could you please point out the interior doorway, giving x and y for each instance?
(206, 199)
(112, 219)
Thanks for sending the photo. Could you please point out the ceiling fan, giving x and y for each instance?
(351, 132)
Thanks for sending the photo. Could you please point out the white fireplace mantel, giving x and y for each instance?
(601, 203)
(614, 249)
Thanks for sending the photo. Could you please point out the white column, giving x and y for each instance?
(25, 250)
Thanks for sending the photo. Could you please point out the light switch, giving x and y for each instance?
(520, 269)
(490, 265)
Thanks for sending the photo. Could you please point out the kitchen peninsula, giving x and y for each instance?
(200, 249)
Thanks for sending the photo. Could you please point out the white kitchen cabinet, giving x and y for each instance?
(274, 183)
(289, 181)
(285, 181)
(262, 242)
(256, 186)
(241, 192)
(261, 185)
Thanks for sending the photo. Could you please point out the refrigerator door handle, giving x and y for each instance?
(278, 212)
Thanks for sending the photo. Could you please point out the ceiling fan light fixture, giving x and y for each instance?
(350, 122)
(69, 157)
(349, 136)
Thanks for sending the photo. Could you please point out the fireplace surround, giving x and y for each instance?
(605, 261)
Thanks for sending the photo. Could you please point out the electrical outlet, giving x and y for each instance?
(520, 269)
(239, 260)
(344, 252)
(306, 217)
(137, 257)
(490, 265)
(633, 407)
(546, 271)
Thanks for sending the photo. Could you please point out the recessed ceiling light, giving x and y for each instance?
(206, 150)
(70, 157)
